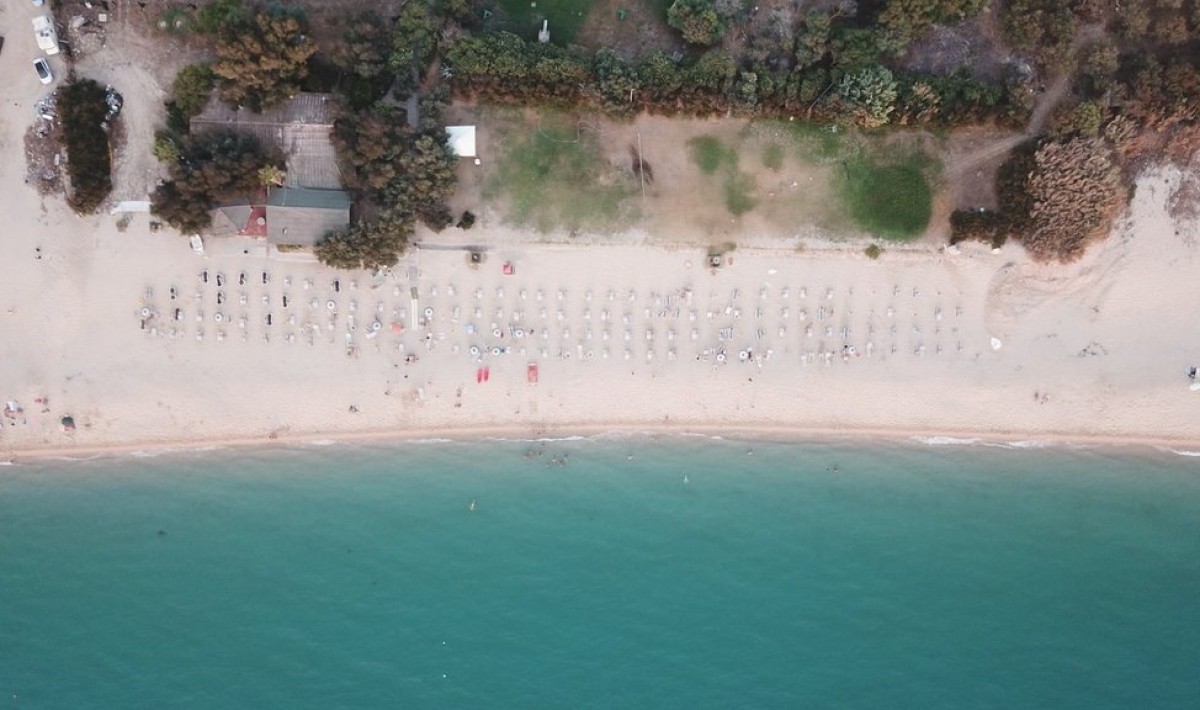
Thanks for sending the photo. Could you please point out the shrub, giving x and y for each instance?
(84, 110)
(367, 245)
(906, 20)
(221, 15)
(979, 225)
(697, 20)
(466, 221)
(872, 94)
(873, 251)
(166, 149)
(1076, 189)
(191, 90)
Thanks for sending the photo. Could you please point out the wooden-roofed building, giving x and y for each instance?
(299, 127)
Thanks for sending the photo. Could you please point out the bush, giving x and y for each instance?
(84, 110)
(874, 251)
(466, 221)
(191, 91)
(220, 15)
(369, 245)
(872, 94)
(166, 148)
(1076, 189)
(979, 225)
(697, 20)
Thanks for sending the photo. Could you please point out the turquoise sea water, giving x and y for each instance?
(804, 575)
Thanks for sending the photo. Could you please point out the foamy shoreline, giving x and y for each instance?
(581, 432)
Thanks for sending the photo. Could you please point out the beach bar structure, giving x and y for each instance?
(289, 216)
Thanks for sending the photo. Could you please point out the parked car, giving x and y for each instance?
(198, 247)
(47, 38)
(43, 70)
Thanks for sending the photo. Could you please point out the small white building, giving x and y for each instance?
(462, 140)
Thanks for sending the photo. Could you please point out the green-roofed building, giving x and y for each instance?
(299, 216)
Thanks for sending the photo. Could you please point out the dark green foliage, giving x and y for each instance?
(264, 61)
(697, 20)
(212, 167)
(854, 48)
(980, 226)
(367, 245)
(1098, 66)
(905, 20)
(466, 221)
(414, 42)
(660, 77)
(1045, 28)
(812, 42)
(501, 67)
(713, 73)
(616, 82)
(190, 93)
(386, 162)
(363, 57)
(870, 95)
(370, 145)
(1012, 186)
(221, 15)
(83, 108)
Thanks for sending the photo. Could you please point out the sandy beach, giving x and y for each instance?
(143, 342)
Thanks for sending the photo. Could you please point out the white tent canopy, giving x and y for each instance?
(462, 140)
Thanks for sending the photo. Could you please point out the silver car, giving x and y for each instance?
(43, 70)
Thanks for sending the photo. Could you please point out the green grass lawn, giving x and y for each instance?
(893, 201)
(565, 16)
(555, 177)
(884, 182)
(711, 155)
(772, 156)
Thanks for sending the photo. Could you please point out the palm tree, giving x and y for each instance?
(271, 176)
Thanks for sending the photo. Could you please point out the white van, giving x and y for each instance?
(47, 38)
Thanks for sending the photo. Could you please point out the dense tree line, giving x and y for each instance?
(84, 110)
(851, 86)
(399, 166)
